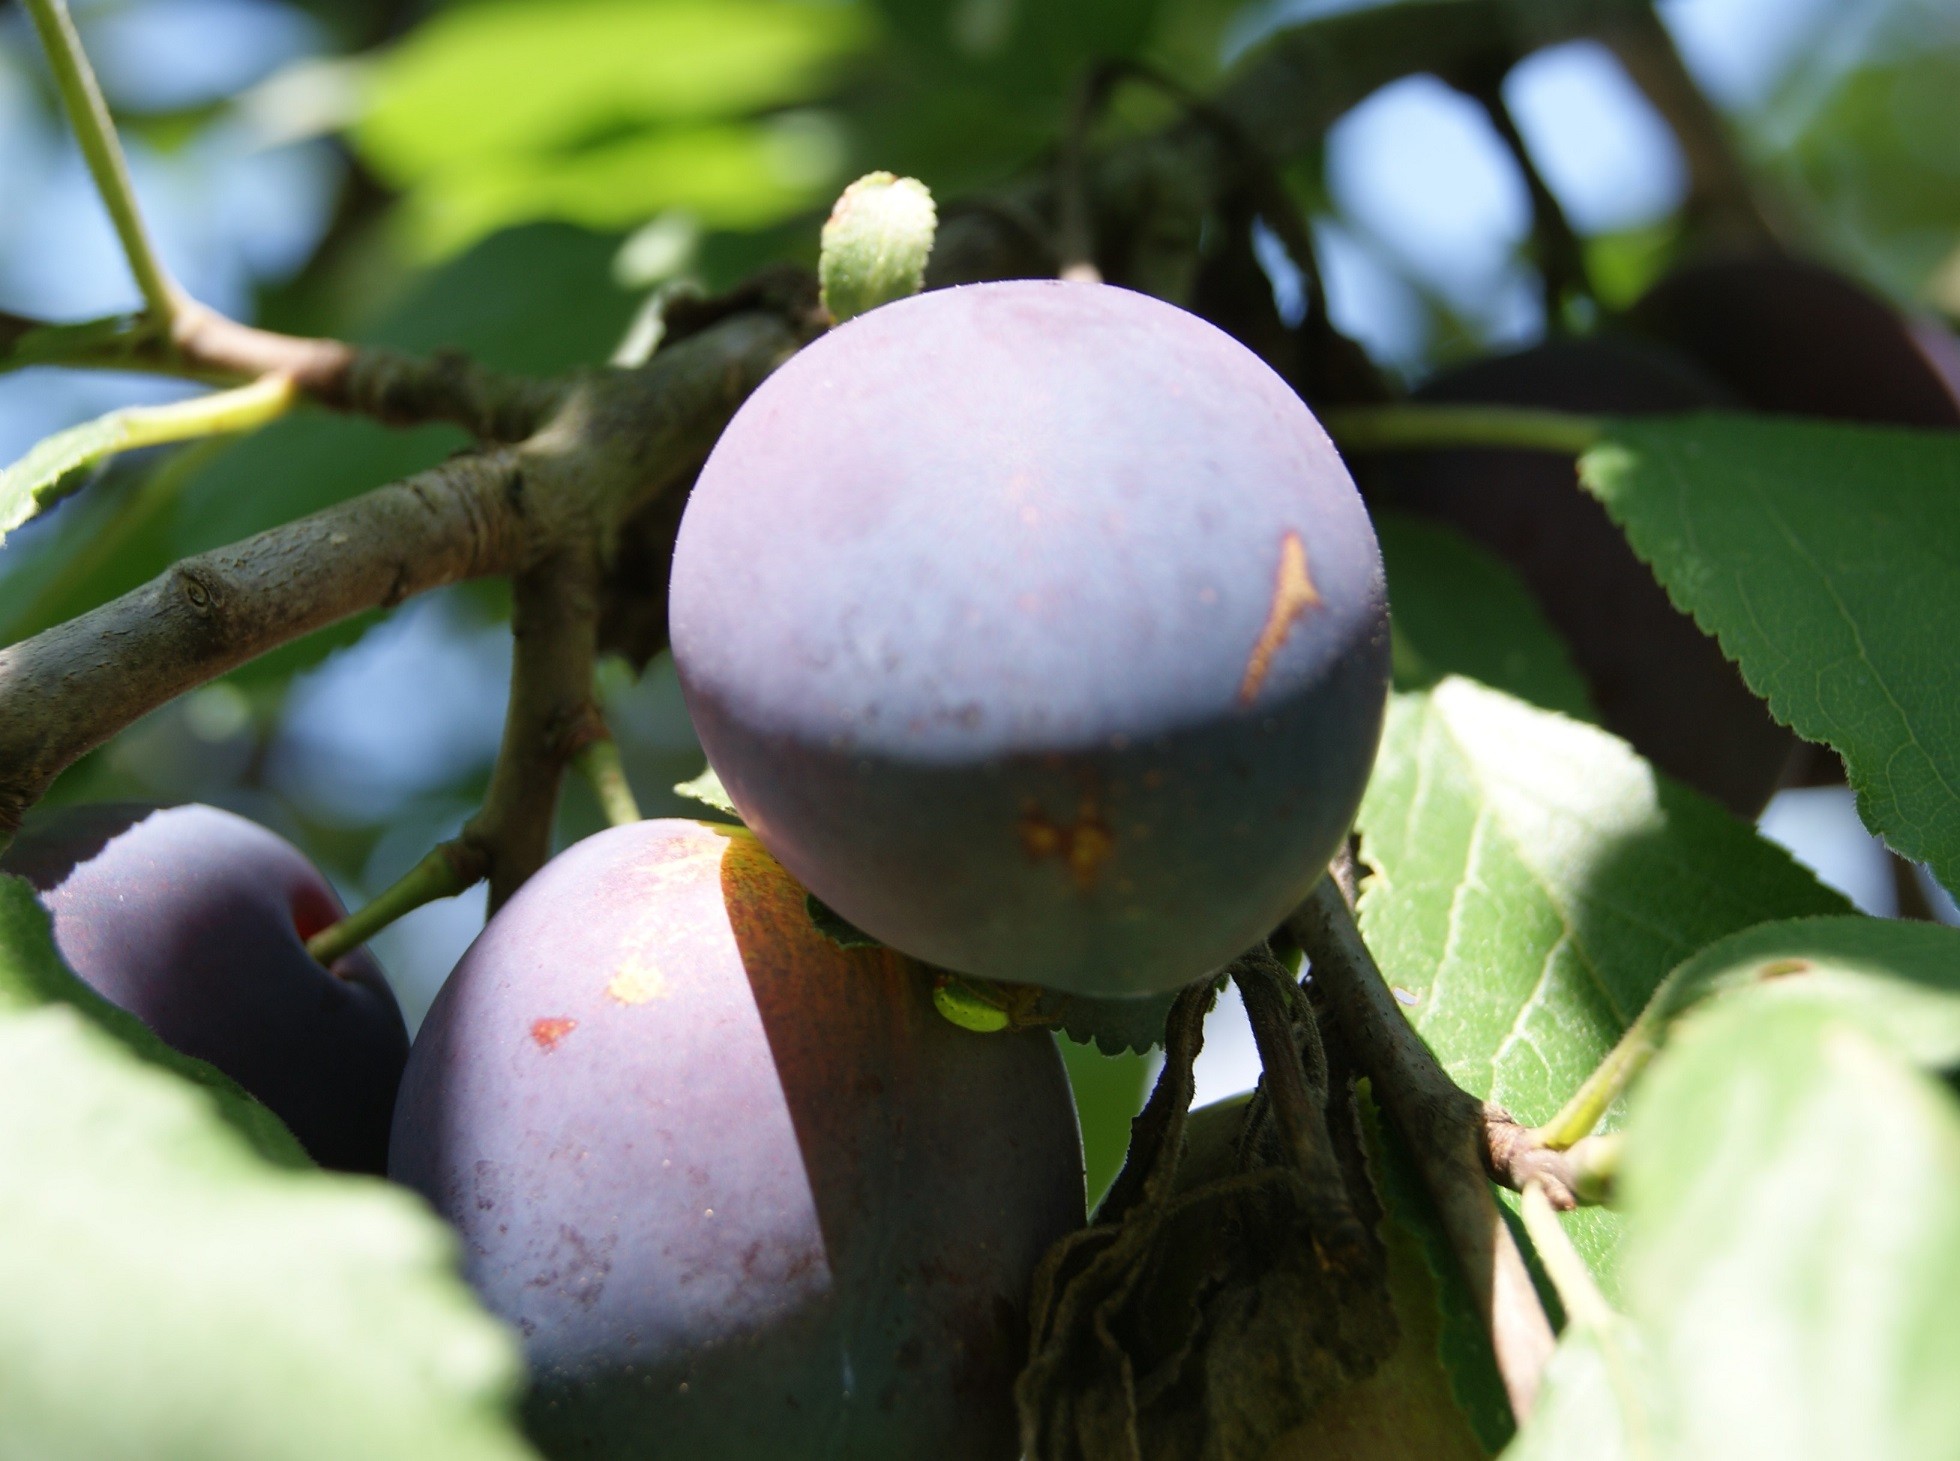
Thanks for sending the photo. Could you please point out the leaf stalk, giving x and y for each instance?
(88, 114)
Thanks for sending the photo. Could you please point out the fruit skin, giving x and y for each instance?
(195, 921)
(1792, 336)
(742, 1191)
(1038, 629)
(1656, 679)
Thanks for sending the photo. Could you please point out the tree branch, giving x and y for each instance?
(554, 629)
(203, 345)
(620, 440)
(1722, 198)
(1284, 96)
(68, 689)
(1443, 1125)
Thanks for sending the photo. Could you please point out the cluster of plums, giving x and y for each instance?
(1038, 630)
(1035, 627)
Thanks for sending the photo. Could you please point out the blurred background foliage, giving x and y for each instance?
(514, 177)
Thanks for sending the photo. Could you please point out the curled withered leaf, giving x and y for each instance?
(1215, 1302)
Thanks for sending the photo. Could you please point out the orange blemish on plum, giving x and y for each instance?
(1293, 595)
(548, 1032)
(1083, 845)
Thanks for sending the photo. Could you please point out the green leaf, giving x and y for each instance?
(33, 976)
(477, 83)
(602, 111)
(51, 470)
(708, 790)
(1826, 559)
(1109, 1090)
(1533, 882)
(171, 1295)
(875, 244)
(1793, 1199)
(1459, 610)
(182, 1284)
(1900, 981)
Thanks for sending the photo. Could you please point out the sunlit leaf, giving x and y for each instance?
(52, 468)
(1899, 981)
(1534, 880)
(604, 112)
(1792, 1191)
(171, 1295)
(727, 175)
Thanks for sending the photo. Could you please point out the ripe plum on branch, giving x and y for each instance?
(1038, 628)
(743, 1192)
(195, 921)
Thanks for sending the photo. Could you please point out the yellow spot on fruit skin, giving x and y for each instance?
(637, 982)
(1293, 595)
(1082, 846)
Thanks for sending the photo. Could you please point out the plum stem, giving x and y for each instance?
(1284, 1028)
(1444, 1128)
(1416, 427)
(443, 873)
(598, 762)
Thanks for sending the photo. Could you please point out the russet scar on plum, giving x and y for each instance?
(548, 1032)
(1293, 595)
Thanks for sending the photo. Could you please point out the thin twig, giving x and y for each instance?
(1561, 257)
(1584, 1304)
(206, 346)
(1515, 1156)
(88, 114)
(1443, 1126)
(1419, 427)
(446, 871)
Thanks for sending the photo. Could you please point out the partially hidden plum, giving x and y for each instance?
(1792, 336)
(743, 1192)
(1656, 679)
(1039, 630)
(195, 921)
